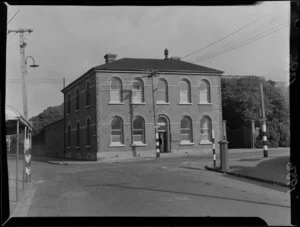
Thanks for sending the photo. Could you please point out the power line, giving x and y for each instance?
(13, 16)
(243, 44)
(243, 35)
(230, 34)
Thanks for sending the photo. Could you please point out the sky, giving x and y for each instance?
(68, 40)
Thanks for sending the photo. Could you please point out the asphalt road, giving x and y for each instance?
(148, 188)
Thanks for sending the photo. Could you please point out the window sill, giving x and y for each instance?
(162, 103)
(205, 142)
(77, 147)
(68, 114)
(186, 143)
(87, 146)
(185, 103)
(138, 145)
(87, 107)
(138, 103)
(116, 145)
(205, 103)
(76, 111)
(68, 148)
(116, 103)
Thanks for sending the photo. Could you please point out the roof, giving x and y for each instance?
(143, 64)
(155, 64)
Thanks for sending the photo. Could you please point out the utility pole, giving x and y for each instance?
(264, 127)
(23, 67)
(152, 74)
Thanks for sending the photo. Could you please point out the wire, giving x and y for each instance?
(232, 33)
(251, 40)
(13, 16)
(243, 35)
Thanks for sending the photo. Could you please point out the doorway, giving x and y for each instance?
(163, 132)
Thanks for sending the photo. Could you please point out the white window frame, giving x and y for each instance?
(208, 130)
(116, 92)
(134, 99)
(143, 142)
(207, 93)
(165, 91)
(190, 129)
(185, 93)
(121, 142)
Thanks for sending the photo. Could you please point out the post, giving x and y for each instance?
(264, 127)
(24, 72)
(17, 163)
(224, 130)
(64, 82)
(25, 137)
(154, 116)
(253, 133)
(214, 149)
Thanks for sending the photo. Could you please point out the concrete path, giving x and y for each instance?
(157, 187)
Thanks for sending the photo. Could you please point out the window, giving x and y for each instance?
(186, 129)
(69, 104)
(185, 91)
(137, 91)
(87, 94)
(206, 129)
(162, 91)
(77, 134)
(88, 132)
(117, 131)
(69, 136)
(77, 99)
(138, 130)
(116, 90)
(204, 92)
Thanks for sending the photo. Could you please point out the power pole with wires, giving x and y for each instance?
(23, 66)
(264, 126)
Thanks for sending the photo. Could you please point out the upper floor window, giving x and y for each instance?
(88, 132)
(138, 130)
(87, 94)
(204, 92)
(206, 129)
(117, 131)
(185, 91)
(69, 104)
(162, 91)
(186, 129)
(77, 99)
(116, 90)
(69, 136)
(137, 91)
(77, 134)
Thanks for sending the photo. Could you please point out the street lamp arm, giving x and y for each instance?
(33, 65)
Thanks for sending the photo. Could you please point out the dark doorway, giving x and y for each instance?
(163, 131)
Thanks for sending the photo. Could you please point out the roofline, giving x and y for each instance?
(94, 69)
(87, 73)
(218, 72)
(54, 122)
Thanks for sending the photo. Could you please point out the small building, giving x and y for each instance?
(109, 109)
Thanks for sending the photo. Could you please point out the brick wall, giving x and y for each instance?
(173, 111)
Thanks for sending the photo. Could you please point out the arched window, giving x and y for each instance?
(116, 90)
(87, 94)
(137, 91)
(117, 130)
(162, 91)
(138, 130)
(69, 103)
(88, 132)
(204, 92)
(77, 134)
(77, 99)
(185, 91)
(206, 129)
(69, 136)
(186, 129)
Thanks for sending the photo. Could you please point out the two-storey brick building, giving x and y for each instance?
(109, 109)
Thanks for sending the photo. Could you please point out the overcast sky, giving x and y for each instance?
(67, 41)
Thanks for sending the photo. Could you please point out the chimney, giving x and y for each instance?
(110, 57)
(166, 54)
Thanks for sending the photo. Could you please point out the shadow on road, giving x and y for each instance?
(184, 193)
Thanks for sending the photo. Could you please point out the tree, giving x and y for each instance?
(48, 116)
(241, 104)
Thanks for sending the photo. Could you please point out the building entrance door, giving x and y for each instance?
(163, 134)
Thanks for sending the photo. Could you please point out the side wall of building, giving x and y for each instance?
(81, 151)
(173, 111)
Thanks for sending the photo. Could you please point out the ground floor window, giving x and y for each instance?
(138, 130)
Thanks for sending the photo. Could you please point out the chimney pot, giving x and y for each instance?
(110, 57)
(166, 54)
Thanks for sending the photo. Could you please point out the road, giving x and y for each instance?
(159, 187)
